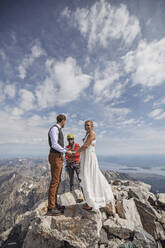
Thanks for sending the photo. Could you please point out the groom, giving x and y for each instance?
(56, 143)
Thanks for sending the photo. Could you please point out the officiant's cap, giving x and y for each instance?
(70, 136)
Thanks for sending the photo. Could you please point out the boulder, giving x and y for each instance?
(120, 210)
(78, 195)
(149, 217)
(126, 189)
(138, 193)
(115, 243)
(110, 208)
(80, 229)
(160, 245)
(152, 199)
(123, 228)
(160, 231)
(118, 228)
(103, 237)
(102, 246)
(131, 213)
(67, 199)
(161, 199)
(143, 239)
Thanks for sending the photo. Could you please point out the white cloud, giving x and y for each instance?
(32, 130)
(65, 83)
(7, 90)
(10, 90)
(17, 112)
(36, 52)
(120, 117)
(103, 22)
(146, 64)
(116, 113)
(2, 96)
(129, 122)
(157, 114)
(144, 140)
(3, 55)
(27, 100)
(22, 69)
(107, 85)
(148, 23)
(160, 102)
(148, 98)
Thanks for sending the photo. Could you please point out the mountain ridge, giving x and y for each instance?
(23, 207)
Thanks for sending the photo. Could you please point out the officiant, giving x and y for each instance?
(73, 161)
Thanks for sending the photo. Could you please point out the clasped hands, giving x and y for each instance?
(70, 153)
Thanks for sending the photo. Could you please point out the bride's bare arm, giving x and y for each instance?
(90, 137)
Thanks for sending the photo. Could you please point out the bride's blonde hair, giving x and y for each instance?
(90, 121)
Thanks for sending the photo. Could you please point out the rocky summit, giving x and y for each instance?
(135, 218)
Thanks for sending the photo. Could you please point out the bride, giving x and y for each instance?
(96, 190)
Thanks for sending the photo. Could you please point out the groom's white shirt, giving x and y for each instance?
(54, 139)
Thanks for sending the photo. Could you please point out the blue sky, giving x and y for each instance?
(101, 60)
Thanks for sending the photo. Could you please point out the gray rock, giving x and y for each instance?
(152, 199)
(78, 195)
(118, 229)
(149, 217)
(103, 237)
(120, 210)
(160, 231)
(67, 199)
(81, 230)
(115, 243)
(159, 245)
(161, 199)
(143, 239)
(123, 228)
(110, 208)
(131, 213)
(133, 210)
(102, 246)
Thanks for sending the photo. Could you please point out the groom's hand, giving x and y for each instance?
(69, 153)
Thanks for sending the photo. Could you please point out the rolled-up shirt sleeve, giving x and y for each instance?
(54, 140)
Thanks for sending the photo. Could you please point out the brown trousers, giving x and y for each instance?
(56, 164)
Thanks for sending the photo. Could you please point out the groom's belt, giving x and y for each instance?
(55, 151)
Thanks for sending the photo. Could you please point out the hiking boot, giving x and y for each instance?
(53, 212)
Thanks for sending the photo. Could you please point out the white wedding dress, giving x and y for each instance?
(97, 191)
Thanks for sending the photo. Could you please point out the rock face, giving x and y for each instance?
(23, 182)
(80, 230)
(161, 199)
(18, 195)
(125, 222)
(135, 218)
